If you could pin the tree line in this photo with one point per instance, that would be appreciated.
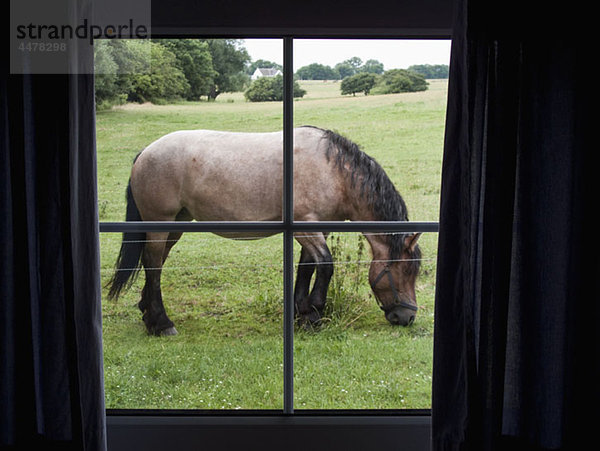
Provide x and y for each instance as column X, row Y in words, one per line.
column 166, row 70
column 355, row 66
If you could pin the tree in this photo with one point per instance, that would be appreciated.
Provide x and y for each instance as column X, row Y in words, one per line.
column 372, row 67
column 354, row 62
column 362, row 82
column 316, row 71
column 267, row 89
column 348, row 67
column 164, row 82
column 194, row 59
column 402, row 80
column 118, row 63
column 431, row 71
column 229, row 60
column 105, row 70
column 345, row 70
column 133, row 57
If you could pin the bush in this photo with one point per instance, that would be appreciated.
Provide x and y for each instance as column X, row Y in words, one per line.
column 362, row 82
column 402, row 80
column 268, row 89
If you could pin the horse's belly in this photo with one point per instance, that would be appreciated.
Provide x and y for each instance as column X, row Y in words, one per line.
column 234, row 196
column 233, row 211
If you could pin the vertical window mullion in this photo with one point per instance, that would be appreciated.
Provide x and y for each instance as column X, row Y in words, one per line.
column 288, row 219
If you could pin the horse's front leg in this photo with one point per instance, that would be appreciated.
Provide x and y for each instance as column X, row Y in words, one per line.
column 311, row 309
column 318, row 295
column 306, row 268
column 154, row 315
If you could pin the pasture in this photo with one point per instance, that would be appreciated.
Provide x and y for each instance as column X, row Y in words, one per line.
column 225, row 296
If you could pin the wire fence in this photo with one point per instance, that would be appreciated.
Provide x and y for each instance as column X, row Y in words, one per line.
column 269, row 265
column 278, row 264
column 257, row 237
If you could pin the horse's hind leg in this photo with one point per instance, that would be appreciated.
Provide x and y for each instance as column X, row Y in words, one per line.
column 155, row 318
column 171, row 241
column 173, row 237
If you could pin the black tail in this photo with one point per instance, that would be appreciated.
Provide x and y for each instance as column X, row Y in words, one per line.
column 128, row 262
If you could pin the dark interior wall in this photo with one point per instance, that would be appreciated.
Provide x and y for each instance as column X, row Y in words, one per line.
column 308, row 18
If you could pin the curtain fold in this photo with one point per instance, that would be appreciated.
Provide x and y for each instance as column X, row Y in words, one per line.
column 51, row 382
column 516, row 345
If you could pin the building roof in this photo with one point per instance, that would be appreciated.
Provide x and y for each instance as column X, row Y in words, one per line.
column 268, row 72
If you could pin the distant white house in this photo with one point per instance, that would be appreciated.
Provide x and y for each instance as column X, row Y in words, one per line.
column 265, row 72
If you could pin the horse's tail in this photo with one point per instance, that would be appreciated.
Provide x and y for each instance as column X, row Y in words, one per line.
column 127, row 266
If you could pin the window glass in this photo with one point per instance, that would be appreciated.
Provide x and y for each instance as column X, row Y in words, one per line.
column 190, row 115
column 379, row 99
column 219, row 342
column 224, row 297
column 351, row 356
column 373, row 152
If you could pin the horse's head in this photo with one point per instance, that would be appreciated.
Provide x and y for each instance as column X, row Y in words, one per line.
column 393, row 283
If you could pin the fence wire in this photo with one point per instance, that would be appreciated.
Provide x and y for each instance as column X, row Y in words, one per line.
column 278, row 265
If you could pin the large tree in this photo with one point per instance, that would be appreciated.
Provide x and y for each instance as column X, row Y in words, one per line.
column 229, row 59
column 164, row 82
column 138, row 71
column 372, row 67
column 195, row 60
column 105, row 70
column 348, row 67
column 362, row 82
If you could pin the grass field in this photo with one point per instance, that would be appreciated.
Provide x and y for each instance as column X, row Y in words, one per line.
column 225, row 296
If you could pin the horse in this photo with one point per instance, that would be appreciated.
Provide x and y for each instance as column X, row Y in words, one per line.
column 208, row 175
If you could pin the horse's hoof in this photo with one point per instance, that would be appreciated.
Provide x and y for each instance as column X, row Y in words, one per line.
column 308, row 326
column 168, row 331
column 310, row 322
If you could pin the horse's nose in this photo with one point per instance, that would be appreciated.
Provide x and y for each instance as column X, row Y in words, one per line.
column 401, row 317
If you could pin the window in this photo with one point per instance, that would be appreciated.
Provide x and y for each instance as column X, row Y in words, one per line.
column 287, row 353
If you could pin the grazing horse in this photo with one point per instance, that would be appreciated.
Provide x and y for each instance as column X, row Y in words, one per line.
column 223, row 176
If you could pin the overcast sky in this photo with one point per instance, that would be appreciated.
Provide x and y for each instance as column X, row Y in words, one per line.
column 394, row 54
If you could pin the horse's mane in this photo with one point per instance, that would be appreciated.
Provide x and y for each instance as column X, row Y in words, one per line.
column 366, row 175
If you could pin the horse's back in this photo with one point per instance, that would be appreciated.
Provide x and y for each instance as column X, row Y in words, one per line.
column 227, row 175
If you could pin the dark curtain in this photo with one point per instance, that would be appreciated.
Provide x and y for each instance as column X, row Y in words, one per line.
column 516, row 323
column 51, row 384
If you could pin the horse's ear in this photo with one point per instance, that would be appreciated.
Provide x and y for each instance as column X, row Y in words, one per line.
column 410, row 241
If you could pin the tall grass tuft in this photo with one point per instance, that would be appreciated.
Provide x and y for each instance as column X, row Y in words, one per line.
column 347, row 300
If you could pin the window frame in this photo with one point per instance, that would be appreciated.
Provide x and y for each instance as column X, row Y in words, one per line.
column 408, row 426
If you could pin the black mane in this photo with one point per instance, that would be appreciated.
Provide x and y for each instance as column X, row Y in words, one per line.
column 374, row 185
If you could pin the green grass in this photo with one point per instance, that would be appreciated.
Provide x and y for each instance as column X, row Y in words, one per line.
column 226, row 296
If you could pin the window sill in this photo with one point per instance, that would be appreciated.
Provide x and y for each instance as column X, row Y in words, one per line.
column 268, row 430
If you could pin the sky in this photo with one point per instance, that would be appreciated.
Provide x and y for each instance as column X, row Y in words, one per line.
column 394, row 54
